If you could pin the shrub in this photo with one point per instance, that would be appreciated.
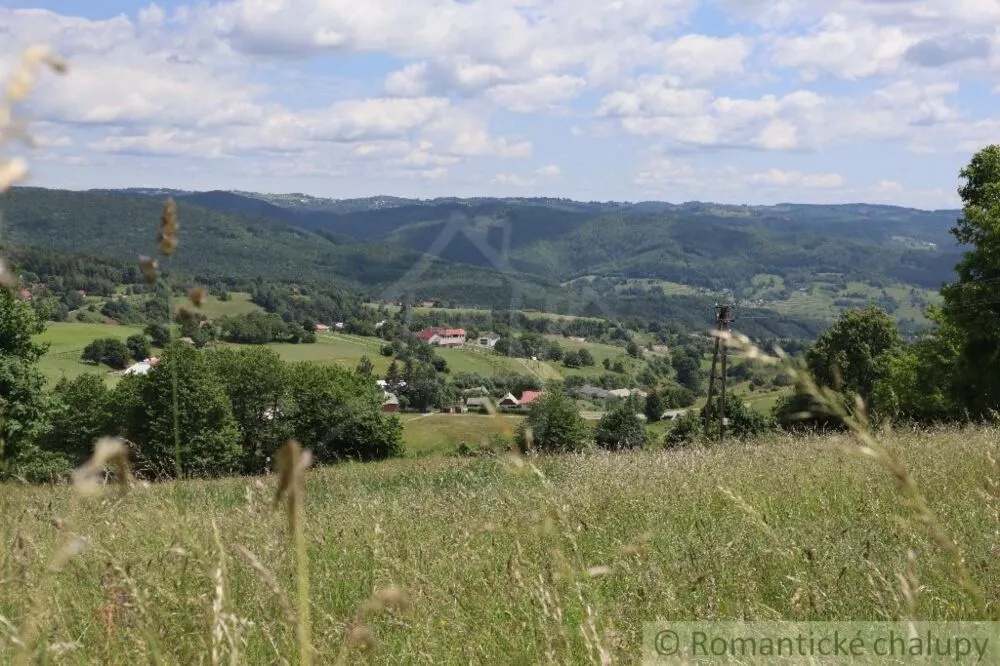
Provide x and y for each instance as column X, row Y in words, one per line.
column 621, row 429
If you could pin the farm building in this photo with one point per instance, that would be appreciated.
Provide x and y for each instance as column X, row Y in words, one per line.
column 509, row 401
column 391, row 403
column 477, row 404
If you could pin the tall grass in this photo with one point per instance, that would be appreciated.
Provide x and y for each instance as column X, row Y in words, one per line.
column 499, row 563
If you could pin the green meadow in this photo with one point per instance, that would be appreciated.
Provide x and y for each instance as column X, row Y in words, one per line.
column 450, row 560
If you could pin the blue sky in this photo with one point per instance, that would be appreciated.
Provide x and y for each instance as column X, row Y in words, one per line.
column 738, row 101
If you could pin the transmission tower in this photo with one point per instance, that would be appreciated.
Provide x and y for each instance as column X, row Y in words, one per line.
column 711, row 411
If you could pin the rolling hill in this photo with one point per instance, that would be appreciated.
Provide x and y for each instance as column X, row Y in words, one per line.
column 796, row 265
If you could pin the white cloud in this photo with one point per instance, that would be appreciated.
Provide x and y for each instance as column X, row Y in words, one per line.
column 701, row 59
column 797, row 178
column 542, row 93
column 550, row 171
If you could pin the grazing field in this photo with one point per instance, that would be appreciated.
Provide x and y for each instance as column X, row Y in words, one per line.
column 427, row 434
column 498, row 561
column 66, row 341
column 238, row 303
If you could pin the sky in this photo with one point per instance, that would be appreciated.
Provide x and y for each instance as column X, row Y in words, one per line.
column 733, row 101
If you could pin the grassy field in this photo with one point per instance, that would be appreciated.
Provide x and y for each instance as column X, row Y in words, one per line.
column 238, row 304
column 549, row 560
column 66, row 341
column 427, row 434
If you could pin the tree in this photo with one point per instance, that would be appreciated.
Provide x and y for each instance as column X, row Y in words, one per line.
column 159, row 334
column 554, row 425
column 82, row 412
column 255, row 380
column 854, row 354
column 654, row 406
column 365, row 367
column 586, row 358
column 620, row 429
column 392, row 376
column 633, row 350
column 971, row 304
column 209, row 437
column 109, row 351
column 920, row 383
column 24, row 404
column 138, row 347
column 338, row 413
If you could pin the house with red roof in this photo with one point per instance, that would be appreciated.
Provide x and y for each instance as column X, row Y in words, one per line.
column 528, row 397
column 443, row 337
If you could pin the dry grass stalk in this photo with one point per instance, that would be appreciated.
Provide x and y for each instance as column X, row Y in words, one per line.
column 271, row 581
column 291, row 465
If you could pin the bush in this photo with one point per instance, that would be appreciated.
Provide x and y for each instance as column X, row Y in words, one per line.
column 555, row 425
column 621, row 429
column 138, row 347
column 687, row 429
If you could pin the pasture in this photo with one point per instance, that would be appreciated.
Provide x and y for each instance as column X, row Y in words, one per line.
column 66, row 341
column 491, row 560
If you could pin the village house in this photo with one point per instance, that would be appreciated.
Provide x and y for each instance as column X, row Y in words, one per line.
column 322, row 328
column 528, row 397
column 588, row 392
column 477, row 404
column 390, row 404
column 508, row 401
column 142, row 367
column 443, row 337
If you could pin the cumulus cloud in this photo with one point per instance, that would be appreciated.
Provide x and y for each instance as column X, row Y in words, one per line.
column 480, row 87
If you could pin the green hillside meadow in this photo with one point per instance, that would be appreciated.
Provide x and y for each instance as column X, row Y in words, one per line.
column 497, row 560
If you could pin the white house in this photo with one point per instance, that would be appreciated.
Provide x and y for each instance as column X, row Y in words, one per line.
column 140, row 368
column 443, row 337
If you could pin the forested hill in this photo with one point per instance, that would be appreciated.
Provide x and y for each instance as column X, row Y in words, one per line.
column 699, row 244
column 649, row 259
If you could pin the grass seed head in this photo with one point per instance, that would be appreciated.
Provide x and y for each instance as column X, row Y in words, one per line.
column 389, row 598
column 150, row 269
column 7, row 278
column 291, row 464
column 167, row 237
column 108, row 451
column 197, row 296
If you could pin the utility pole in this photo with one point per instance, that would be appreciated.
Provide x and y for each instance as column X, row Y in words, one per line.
column 723, row 318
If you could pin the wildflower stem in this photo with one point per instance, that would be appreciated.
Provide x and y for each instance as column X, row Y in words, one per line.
column 302, row 574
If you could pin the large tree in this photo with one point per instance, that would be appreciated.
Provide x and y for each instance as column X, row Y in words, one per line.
column 255, row 380
column 854, row 353
column 972, row 303
column 23, row 401
column 554, row 425
column 208, row 435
